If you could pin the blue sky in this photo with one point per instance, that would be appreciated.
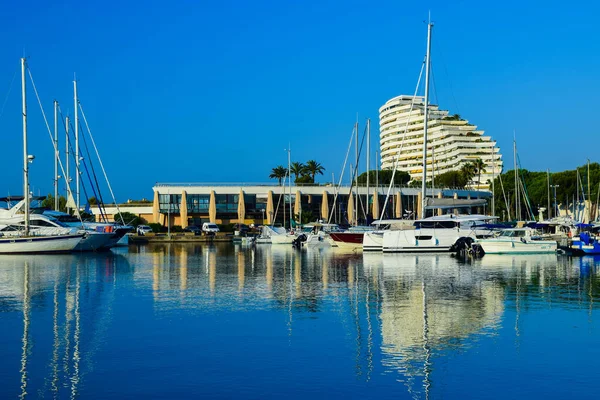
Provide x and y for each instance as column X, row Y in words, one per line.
column 187, row 91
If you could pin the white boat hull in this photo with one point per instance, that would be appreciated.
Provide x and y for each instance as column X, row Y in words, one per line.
column 422, row 240
column 515, row 245
column 282, row 239
column 373, row 241
column 39, row 244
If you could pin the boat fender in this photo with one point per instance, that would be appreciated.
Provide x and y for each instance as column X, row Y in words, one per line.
column 435, row 241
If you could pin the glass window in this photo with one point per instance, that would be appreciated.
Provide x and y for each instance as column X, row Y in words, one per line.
column 169, row 203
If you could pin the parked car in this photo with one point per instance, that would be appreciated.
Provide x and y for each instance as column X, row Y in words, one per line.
column 209, row 228
column 193, row 229
column 243, row 228
column 143, row 229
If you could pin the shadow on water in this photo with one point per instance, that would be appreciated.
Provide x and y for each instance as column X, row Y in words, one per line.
column 401, row 315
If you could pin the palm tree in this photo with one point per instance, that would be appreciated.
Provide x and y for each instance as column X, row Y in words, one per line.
column 468, row 171
column 313, row 168
column 279, row 172
column 479, row 167
column 297, row 168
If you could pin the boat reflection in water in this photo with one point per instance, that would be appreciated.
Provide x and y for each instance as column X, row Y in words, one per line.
column 366, row 324
column 59, row 348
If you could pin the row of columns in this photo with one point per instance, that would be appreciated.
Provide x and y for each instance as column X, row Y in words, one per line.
column 212, row 208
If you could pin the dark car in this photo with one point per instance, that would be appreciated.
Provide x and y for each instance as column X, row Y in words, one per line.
column 243, row 228
column 194, row 229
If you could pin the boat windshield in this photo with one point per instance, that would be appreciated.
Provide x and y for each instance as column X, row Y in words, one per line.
column 511, row 233
column 432, row 224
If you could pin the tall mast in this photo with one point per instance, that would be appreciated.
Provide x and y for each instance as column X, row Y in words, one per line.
column 577, row 191
column 368, row 161
column 76, row 104
column 548, row 175
column 67, row 176
column 290, row 183
column 493, row 183
column 25, row 160
column 356, row 172
column 589, row 209
column 517, row 205
column 426, row 118
column 56, row 155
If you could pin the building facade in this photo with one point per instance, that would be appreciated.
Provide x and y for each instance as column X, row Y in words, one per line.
column 452, row 142
column 194, row 204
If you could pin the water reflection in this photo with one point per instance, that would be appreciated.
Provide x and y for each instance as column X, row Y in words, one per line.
column 396, row 317
column 66, row 287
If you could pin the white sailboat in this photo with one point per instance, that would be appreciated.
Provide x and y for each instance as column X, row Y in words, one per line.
column 25, row 240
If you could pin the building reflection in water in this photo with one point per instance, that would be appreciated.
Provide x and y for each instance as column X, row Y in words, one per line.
column 400, row 313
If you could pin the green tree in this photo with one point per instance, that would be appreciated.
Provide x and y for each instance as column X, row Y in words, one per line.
column 455, row 117
column 479, row 167
column 298, row 169
column 130, row 219
column 384, row 176
column 92, row 201
column 279, row 173
column 304, row 179
column 469, row 171
column 451, row 179
column 48, row 202
column 313, row 168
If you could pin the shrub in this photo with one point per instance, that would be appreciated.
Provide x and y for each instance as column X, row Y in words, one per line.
column 156, row 228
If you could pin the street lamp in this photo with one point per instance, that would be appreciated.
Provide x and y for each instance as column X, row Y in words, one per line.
column 263, row 216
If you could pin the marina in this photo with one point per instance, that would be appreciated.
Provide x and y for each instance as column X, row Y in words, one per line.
column 285, row 216
column 270, row 321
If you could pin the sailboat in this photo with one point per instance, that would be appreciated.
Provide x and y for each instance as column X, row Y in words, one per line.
column 17, row 240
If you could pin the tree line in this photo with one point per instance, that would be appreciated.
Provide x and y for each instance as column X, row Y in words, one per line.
column 536, row 187
column 303, row 173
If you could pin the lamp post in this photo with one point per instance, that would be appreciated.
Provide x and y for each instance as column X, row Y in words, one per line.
column 263, row 216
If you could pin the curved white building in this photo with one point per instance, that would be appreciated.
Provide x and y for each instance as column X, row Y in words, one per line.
column 451, row 142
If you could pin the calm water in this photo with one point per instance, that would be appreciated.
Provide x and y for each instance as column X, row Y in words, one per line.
column 190, row 321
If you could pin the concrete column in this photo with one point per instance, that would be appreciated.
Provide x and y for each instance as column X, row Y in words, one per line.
column 325, row 207
column 156, row 209
column 183, row 209
column 269, row 209
column 420, row 210
column 212, row 208
column 398, row 205
column 439, row 211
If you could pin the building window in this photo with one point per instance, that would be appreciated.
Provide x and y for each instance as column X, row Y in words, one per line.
column 169, row 203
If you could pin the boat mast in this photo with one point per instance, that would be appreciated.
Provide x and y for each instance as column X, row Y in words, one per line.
column 426, row 118
column 548, row 175
column 56, row 155
column 356, row 172
column 517, row 205
column 290, row 183
column 76, row 102
column 577, row 191
column 493, row 183
column 67, row 176
column 25, row 158
column 589, row 210
column 368, row 165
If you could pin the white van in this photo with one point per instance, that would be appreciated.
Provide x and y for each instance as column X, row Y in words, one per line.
column 210, row 228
